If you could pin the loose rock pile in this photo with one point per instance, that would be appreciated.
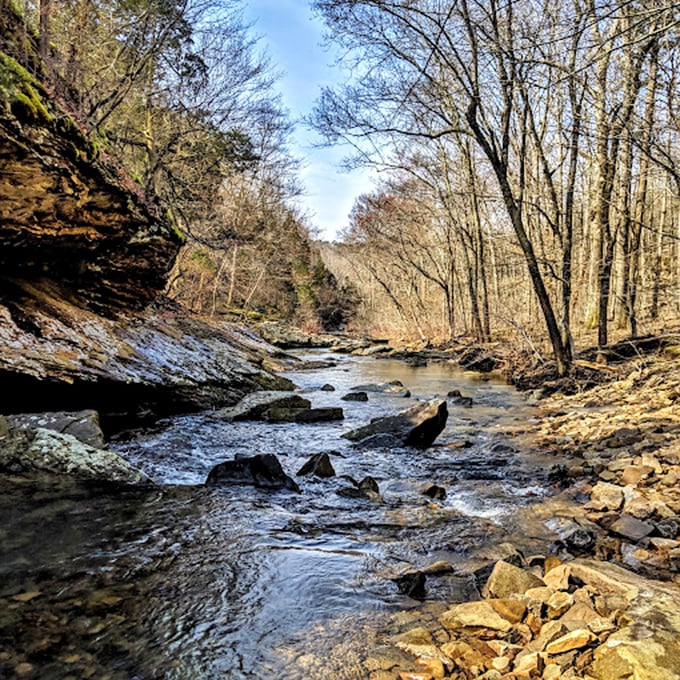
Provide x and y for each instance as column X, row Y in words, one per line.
column 620, row 447
column 544, row 619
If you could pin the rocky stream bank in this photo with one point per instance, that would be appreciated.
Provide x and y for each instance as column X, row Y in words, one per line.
column 603, row 600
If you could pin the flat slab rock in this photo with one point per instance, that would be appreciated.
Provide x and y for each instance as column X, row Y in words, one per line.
column 417, row 426
column 255, row 406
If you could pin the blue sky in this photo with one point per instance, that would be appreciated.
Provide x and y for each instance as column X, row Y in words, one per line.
column 292, row 37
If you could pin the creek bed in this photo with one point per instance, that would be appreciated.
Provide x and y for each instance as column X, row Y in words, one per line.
column 187, row 581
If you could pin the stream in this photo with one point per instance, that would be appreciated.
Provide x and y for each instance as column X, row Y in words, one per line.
column 190, row 582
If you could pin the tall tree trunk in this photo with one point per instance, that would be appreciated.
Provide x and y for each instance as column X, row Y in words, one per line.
column 657, row 269
column 640, row 215
column 45, row 10
column 611, row 122
column 627, row 230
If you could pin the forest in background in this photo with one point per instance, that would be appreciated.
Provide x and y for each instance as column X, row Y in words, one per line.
column 529, row 155
column 530, row 152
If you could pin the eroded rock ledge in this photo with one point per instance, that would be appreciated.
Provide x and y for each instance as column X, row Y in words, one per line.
column 56, row 355
column 68, row 212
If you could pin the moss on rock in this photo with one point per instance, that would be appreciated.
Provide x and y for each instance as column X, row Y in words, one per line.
column 21, row 91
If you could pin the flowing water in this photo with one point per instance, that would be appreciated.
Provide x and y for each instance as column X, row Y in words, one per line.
column 189, row 582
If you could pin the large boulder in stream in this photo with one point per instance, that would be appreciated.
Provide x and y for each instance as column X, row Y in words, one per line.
column 262, row 470
column 417, row 426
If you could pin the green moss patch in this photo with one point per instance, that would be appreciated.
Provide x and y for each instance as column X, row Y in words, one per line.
column 19, row 89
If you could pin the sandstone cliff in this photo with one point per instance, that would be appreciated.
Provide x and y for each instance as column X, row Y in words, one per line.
column 84, row 257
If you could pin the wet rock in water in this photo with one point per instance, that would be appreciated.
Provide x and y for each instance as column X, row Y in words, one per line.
column 369, row 484
column 262, row 470
column 367, row 488
column 457, row 398
column 327, row 388
column 412, row 584
column 438, row 568
column 380, row 441
column 458, row 444
column 434, row 491
column 500, row 447
column 302, row 415
column 395, row 388
column 417, row 426
column 355, row 396
column 253, row 406
column 42, row 450
column 319, row 464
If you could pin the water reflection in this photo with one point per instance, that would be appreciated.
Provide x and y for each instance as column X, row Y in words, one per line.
column 234, row 582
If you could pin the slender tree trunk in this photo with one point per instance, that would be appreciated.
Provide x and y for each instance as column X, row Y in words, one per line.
column 216, row 284
column 44, row 40
column 232, row 276
column 560, row 352
column 640, row 217
column 656, row 285
column 626, row 229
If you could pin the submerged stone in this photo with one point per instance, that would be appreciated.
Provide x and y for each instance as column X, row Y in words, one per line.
column 355, row 396
column 262, row 470
column 412, row 584
column 367, row 488
column 417, row 426
column 394, row 388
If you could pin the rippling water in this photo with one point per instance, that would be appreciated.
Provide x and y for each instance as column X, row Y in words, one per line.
column 192, row 582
